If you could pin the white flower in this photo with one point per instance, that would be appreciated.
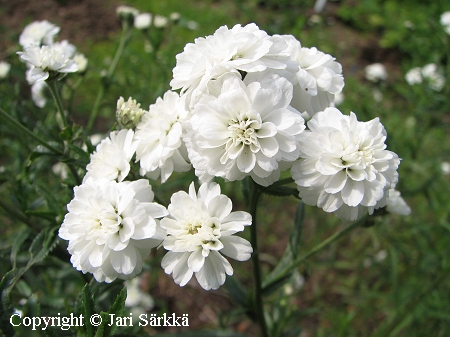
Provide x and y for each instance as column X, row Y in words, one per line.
column 344, row 166
column 199, row 228
column 111, row 227
column 65, row 48
column 161, row 150
column 436, row 80
column 38, row 93
column 38, row 32
column 317, row 81
column 445, row 167
column 111, row 159
column 248, row 130
column 82, row 62
column 246, row 49
column 160, row 21
column 175, row 16
column 192, row 25
column 143, row 21
column 136, row 297
column 44, row 60
column 4, row 69
column 445, row 21
column 414, row 76
column 396, row 204
column 376, row 72
column 124, row 11
column 128, row 113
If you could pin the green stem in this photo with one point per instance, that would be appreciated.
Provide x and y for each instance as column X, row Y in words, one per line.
column 255, row 193
column 106, row 80
column 57, row 98
column 282, row 182
column 28, row 132
column 288, row 269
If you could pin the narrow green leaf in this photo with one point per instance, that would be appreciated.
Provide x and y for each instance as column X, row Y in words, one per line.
column 6, row 309
column 107, row 329
column 42, row 245
column 20, row 238
column 289, row 255
column 66, row 133
column 89, row 309
column 238, row 293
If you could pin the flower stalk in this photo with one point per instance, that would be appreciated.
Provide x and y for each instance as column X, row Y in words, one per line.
column 57, row 98
column 258, row 304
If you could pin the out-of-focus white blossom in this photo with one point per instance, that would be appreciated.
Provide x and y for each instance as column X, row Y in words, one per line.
column 433, row 75
column 192, row 25
column 38, row 32
column 124, row 11
column 396, row 204
column 143, row 21
column 200, row 227
column 160, row 21
column 64, row 47
column 376, row 72
column 344, row 166
column 175, row 16
column 445, row 167
column 82, row 62
column 4, row 69
column 445, row 21
column 414, row 76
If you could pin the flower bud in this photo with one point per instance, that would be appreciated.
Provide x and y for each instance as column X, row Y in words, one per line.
column 129, row 113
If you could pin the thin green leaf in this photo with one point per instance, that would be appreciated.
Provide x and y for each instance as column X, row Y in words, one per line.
column 238, row 293
column 108, row 328
column 42, row 245
column 6, row 309
column 89, row 309
column 20, row 238
column 294, row 239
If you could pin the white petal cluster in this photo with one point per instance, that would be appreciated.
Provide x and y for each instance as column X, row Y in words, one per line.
column 396, row 204
column 428, row 73
column 318, row 79
column 143, row 21
column 4, row 69
column 376, row 72
column 161, row 150
column 111, row 227
column 199, row 228
column 38, row 32
column 445, row 21
column 111, row 159
column 45, row 59
column 249, row 129
column 246, row 49
column 344, row 166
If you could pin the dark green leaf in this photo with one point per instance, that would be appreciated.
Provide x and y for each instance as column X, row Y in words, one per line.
column 66, row 133
column 89, row 309
column 294, row 239
column 107, row 328
column 20, row 238
column 42, row 245
column 237, row 292
column 280, row 191
column 6, row 309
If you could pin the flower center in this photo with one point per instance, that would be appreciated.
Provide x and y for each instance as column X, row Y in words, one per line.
column 243, row 130
column 359, row 159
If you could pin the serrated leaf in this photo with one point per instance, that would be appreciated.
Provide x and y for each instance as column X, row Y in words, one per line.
column 89, row 309
column 108, row 328
column 42, row 245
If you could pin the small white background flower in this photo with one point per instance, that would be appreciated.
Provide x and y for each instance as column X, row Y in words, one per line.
column 200, row 227
column 111, row 227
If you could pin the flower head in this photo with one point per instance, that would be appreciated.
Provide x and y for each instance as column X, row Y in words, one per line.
column 249, row 129
column 200, row 227
column 161, row 150
column 38, row 32
column 445, row 21
column 128, row 113
column 143, row 21
column 4, row 69
column 344, row 166
column 414, row 76
column 318, row 79
column 246, row 49
column 396, row 204
column 111, row 227
column 46, row 60
column 376, row 72
column 111, row 159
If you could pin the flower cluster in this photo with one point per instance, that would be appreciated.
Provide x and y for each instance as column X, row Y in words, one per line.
column 429, row 74
column 240, row 112
column 47, row 59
